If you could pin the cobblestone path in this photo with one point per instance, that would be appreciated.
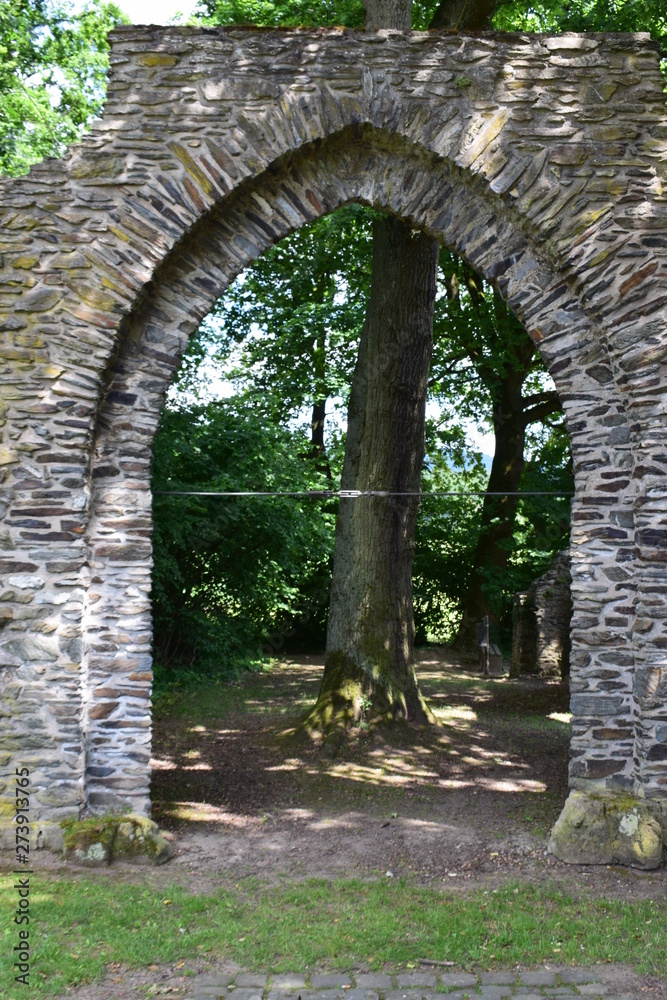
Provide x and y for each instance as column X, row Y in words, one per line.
column 536, row 985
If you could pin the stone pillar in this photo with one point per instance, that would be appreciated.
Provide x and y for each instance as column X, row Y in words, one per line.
column 118, row 666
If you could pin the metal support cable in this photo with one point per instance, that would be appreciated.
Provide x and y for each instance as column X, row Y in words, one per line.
column 355, row 494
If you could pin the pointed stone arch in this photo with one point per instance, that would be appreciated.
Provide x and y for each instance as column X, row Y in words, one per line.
column 214, row 145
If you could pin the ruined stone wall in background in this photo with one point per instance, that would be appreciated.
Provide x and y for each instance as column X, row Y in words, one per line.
column 540, row 159
column 542, row 617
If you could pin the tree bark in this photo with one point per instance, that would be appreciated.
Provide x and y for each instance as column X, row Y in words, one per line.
column 369, row 661
column 497, row 523
column 369, row 654
column 395, row 14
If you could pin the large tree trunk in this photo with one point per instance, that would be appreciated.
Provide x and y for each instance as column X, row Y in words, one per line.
column 498, row 513
column 369, row 662
column 369, row 665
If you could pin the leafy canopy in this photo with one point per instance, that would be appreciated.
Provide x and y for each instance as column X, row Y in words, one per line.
column 53, row 65
column 286, row 332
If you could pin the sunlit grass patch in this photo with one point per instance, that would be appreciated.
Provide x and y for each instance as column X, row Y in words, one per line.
column 565, row 718
column 264, row 691
column 457, row 715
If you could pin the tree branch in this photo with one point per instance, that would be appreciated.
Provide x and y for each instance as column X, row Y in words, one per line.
column 541, row 397
column 541, row 411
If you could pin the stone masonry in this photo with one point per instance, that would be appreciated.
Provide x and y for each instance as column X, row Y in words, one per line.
column 429, row 983
column 541, row 627
column 542, row 160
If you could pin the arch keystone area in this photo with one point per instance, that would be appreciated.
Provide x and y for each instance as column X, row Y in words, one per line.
column 542, row 160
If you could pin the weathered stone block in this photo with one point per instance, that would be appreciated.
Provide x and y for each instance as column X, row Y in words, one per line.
column 89, row 841
column 608, row 829
column 139, row 840
column 101, row 839
column 599, row 706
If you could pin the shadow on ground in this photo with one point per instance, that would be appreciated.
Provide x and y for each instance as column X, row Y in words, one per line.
column 474, row 795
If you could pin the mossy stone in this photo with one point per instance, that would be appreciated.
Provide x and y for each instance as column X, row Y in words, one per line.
column 139, row 840
column 608, row 829
column 100, row 840
column 89, row 841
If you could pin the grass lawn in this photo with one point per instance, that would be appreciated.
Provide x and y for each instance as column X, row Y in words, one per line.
column 79, row 925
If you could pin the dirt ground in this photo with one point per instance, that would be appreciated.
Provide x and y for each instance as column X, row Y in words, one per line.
column 466, row 804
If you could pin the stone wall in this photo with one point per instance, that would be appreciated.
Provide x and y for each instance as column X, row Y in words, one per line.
column 541, row 627
column 540, row 159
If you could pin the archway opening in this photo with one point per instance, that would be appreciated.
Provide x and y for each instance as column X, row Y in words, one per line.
column 259, row 404
column 362, row 165
column 222, row 763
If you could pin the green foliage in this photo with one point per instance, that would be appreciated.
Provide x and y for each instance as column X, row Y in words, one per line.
column 285, row 13
column 232, row 574
column 286, row 332
column 478, row 342
column 299, row 13
column 582, row 15
column 53, row 65
column 542, row 523
column 447, row 529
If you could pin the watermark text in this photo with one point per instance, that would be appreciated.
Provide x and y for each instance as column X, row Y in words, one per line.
column 21, row 945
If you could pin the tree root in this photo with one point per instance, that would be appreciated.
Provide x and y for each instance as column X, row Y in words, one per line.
column 352, row 698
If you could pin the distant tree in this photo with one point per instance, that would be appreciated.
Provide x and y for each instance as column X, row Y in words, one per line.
column 286, row 334
column 488, row 363
column 53, row 65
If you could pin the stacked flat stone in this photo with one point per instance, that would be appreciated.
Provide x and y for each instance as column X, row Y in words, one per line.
column 563, row 983
column 542, row 160
column 542, row 617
